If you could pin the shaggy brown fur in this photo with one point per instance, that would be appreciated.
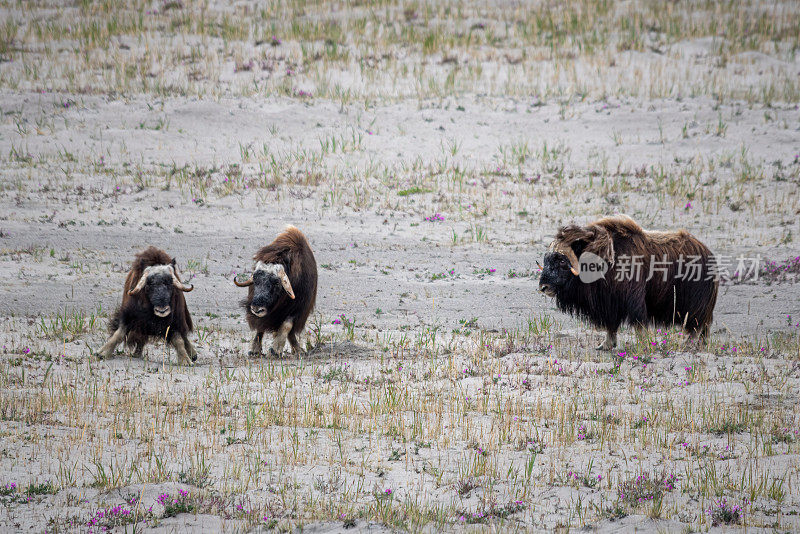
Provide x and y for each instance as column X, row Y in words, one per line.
column 134, row 321
column 290, row 249
column 609, row 302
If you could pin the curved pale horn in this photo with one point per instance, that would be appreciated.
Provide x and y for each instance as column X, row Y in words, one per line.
column 176, row 281
column 287, row 285
column 566, row 250
column 575, row 266
column 140, row 284
column 243, row 284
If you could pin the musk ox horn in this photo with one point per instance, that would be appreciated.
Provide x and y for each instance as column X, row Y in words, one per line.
column 177, row 282
column 287, row 285
column 567, row 251
column 162, row 268
column 140, row 284
column 243, row 284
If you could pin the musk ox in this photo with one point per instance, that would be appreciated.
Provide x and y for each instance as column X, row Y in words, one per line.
column 281, row 292
column 612, row 272
column 152, row 307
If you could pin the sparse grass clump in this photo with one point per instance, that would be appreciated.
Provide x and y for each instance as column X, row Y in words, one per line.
column 783, row 271
column 784, row 435
column 492, row 512
column 67, row 325
column 10, row 493
column 728, row 426
column 724, row 513
column 414, row 190
column 8, row 489
column 113, row 516
column 173, row 505
column 41, row 488
column 645, row 488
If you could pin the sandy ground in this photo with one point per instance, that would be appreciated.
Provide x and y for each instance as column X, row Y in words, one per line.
column 70, row 226
column 375, row 254
column 442, row 391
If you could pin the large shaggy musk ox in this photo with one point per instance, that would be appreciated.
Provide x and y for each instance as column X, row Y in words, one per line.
column 152, row 307
column 662, row 278
column 282, row 291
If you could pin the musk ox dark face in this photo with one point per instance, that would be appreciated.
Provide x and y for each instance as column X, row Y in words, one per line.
column 267, row 291
column 270, row 283
column 557, row 274
column 158, row 283
column 159, row 292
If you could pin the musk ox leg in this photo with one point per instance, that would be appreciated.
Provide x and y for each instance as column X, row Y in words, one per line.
column 610, row 341
column 137, row 350
column 279, row 339
column 293, row 342
column 116, row 338
column 255, row 348
column 698, row 335
column 180, row 348
column 190, row 350
column 704, row 334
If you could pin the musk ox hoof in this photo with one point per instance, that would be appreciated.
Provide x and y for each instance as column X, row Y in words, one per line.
column 184, row 359
column 694, row 344
column 103, row 354
column 273, row 353
column 254, row 354
column 609, row 343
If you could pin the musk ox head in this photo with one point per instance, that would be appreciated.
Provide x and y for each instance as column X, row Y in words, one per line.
column 577, row 255
column 270, row 282
column 158, row 283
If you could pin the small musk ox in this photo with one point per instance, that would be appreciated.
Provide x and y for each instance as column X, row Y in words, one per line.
column 282, row 291
column 152, row 307
column 675, row 283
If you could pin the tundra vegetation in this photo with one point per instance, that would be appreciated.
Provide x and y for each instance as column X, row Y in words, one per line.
column 429, row 151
